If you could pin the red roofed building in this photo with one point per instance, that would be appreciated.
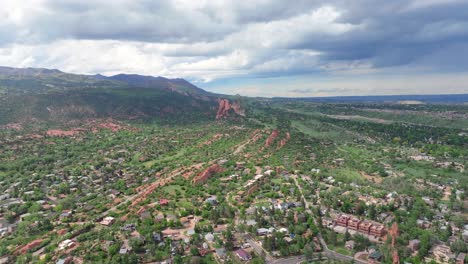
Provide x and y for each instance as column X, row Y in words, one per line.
column 365, row 226
column 243, row 255
column 354, row 223
column 343, row 220
column 163, row 202
column 377, row 230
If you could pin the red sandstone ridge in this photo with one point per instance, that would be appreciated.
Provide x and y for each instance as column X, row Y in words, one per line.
column 225, row 106
column 271, row 138
column 284, row 140
column 23, row 249
column 206, row 174
column 63, row 133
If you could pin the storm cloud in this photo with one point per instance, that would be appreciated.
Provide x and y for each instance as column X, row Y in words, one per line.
column 215, row 42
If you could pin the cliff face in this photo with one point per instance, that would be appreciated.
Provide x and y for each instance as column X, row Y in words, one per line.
column 224, row 106
column 238, row 108
column 207, row 173
column 273, row 136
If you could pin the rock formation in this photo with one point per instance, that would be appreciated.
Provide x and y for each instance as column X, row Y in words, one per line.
column 225, row 106
column 271, row 138
column 284, row 140
column 207, row 173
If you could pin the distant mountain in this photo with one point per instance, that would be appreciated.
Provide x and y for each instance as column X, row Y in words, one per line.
column 38, row 80
column 9, row 71
column 45, row 95
column 176, row 85
column 394, row 99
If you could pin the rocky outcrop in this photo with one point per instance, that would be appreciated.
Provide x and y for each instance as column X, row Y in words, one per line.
column 62, row 133
column 224, row 106
column 207, row 173
column 284, row 140
column 236, row 106
column 23, row 249
column 271, row 138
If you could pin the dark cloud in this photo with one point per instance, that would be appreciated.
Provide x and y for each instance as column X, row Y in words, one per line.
column 206, row 40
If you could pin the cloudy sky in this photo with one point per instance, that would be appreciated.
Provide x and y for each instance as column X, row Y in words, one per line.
column 255, row 47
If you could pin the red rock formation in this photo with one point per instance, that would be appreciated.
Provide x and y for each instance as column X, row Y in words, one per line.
column 395, row 257
column 14, row 126
column 207, row 173
column 215, row 138
column 61, row 133
column 238, row 108
column 284, row 140
column 29, row 246
column 225, row 106
column 394, row 232
column 271, row 138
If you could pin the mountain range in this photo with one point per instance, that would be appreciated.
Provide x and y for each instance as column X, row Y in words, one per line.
column 31, row 95
column 34, row 94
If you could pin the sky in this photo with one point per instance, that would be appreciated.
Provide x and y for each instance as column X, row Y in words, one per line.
column 300, row 48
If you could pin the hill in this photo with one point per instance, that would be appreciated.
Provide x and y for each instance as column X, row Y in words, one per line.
column 45, row 95
column 177, row 85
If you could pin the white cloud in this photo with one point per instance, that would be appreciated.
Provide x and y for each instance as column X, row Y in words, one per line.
column 206, row 40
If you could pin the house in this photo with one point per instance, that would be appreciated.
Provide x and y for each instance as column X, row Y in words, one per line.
column 377, row 230
column 67, row 243
column 221, row 252
column 414, row 245
column 364, row 227
column 125, row 248
column 350, row 244
column 353, row 223
column 240, row 165
column 243, row 255
column 65, row 215
column 128, row 227
column 262, row 231
column 145, row 215
column 191, row 232
column 212, row 200
column 24, row 216
column 375, row 257
column 163, row 202
column 107, row 221
column 184, row 220
column 460, row 258
column 339, row 162
column 442, row 253
column 159, row 217
column 317, row 244
column 343, row 220
column 209, row 237
column 65, row 260
column 105, row 246
column 114, row 193
column 424, row 224
column 171, row 217
column 250, row 222
column 465, row 235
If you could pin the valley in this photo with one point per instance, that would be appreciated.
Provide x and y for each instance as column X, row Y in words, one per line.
column 130, row 173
